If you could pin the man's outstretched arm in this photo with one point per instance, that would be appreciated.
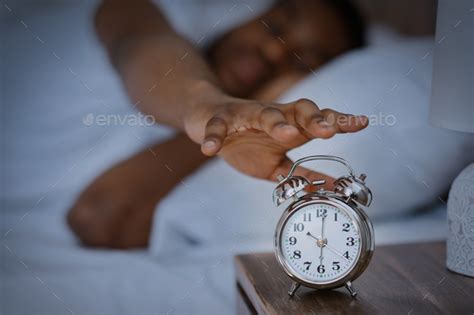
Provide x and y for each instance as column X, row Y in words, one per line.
column 163, row 73
column 168, row 78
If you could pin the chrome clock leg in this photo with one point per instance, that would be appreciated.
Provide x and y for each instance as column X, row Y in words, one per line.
column 351, row 290
column 294, row 286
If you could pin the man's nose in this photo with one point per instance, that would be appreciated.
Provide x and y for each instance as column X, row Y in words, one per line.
column 275, row 50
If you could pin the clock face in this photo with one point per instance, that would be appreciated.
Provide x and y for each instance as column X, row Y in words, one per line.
column 320, row 243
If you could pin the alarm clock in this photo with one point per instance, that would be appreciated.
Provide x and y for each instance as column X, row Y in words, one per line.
column 324, row 239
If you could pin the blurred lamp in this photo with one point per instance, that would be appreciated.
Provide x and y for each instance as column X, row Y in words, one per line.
column 452, row 107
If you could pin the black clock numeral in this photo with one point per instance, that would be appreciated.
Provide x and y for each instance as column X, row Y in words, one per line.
column 292, row 240
column 307, row 264
column 346, row 254
column 298, row 227
column 350, row 241
column 321, row 212
column 307, row 217
column 321, row 269
column 297, row 254
column 335, row 216
column 345, row 227
column 335, row 265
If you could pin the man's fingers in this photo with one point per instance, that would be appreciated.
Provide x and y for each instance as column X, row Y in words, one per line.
column 214, row 135
column 344, row 122
column 327, row 122
column 274, row 123
column 311, row 119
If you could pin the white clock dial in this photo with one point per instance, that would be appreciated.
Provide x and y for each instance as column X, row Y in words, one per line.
column 320, row 243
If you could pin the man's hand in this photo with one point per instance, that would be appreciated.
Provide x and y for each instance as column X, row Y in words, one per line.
column 254, row 137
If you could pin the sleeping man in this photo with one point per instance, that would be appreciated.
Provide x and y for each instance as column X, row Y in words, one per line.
column 220, row 99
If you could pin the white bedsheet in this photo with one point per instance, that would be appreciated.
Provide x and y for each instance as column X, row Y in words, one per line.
column 49, row 157
column 44, row 271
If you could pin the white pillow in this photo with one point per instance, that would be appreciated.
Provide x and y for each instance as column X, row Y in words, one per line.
column 408, row 164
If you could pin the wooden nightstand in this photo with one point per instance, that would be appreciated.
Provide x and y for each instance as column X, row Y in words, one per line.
column 401, row 279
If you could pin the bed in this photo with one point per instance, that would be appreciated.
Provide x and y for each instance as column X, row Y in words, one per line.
column 52, row 83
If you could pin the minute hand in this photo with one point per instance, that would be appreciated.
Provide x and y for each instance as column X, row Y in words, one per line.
column 323, row 219
column 336, row 252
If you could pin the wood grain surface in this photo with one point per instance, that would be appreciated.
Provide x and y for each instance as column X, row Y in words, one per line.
column 401, row 279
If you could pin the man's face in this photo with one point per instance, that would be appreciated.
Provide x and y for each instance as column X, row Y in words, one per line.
column 297, row 35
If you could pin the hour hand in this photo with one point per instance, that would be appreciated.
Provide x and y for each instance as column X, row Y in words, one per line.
column 311, row 235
